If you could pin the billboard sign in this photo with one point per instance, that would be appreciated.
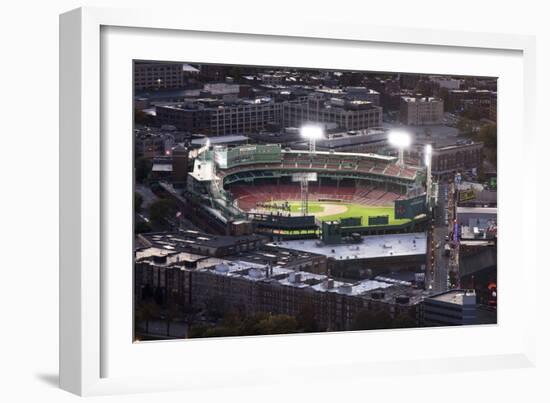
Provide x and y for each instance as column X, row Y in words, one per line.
column 465, row 195
column 351, row 221
column 379, row 220
column 307, row 176
column 410, row 208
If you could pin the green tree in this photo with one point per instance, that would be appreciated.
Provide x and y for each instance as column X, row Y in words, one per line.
column 143, row 118
column 368, row 320
column 138, row 202
column 141, row 227
column 443, row 93
column 403, row 320
column 220, row 331
column 143, row 167
column 488, row 135
column 216, row 306
column 249, row 325
column 147, row 312
column 472, row 113
column 161, row 209
column 481, row 173
column 172, row 312
column 278, row 324
column 232, row 319
column 306, row 319
column 197, row 331
column 465, row 127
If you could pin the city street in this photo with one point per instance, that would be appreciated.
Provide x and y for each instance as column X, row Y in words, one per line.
column 438, row 278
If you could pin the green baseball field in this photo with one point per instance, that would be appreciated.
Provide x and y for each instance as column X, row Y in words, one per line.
column 329, row 211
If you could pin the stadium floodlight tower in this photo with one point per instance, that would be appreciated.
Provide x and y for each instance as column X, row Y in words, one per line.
column 428, row 163
column 304, row 178
column 312, row 133
column 400, row 139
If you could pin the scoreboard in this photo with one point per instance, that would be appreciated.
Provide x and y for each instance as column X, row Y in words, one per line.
column 410, row 208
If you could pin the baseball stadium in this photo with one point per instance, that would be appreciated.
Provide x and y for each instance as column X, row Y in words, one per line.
column 301, row 193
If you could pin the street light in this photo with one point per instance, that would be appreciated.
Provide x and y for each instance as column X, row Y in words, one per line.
column 428, row 155
column 312, row 133
column 400, row 140
column 428, row 163
column 204, row 149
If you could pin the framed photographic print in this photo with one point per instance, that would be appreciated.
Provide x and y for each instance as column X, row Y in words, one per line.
column 252, row 190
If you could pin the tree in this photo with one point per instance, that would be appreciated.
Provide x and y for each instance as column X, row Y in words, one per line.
column 472, row 113
column 161, row 209
column 143, row 118
column 488, row 135
column 171, row 313
column 249, row 325
column 219, row 331
column 306, row 319
column 141, row 227
column 403, row 320
column 216, row 306
column 444, row 95
column 143, row 167
column 368, row 320
column 278, row 324
column 232, row 319
column 138, row 202
column 197, row 331
column 147, row 312
column 465, row 127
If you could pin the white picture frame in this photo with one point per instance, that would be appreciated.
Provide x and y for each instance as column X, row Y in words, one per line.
column 88, row 311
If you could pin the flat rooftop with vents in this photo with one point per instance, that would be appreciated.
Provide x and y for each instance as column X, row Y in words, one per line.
column 371, row 247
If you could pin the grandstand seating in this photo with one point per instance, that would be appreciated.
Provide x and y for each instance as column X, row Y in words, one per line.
column 332, row 163
column 249, row 195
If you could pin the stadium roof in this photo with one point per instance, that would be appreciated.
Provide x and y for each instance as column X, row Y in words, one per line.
column 215, row 140
column 386, row 158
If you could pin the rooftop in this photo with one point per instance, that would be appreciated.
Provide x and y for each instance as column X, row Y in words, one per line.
column 458, row 297
column 421, row 99
column 276, row 256
column 175, row 258
column 304, row 279
column 185, row 238
column 254, row 272
column 491, row 211
column 371, row 247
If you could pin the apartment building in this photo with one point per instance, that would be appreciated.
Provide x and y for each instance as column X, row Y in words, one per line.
column 216, row 118
column 158, row 75
column 455, row 307
column 419, row 111
column 459, row 157
column 347, row 114
column 251, row 288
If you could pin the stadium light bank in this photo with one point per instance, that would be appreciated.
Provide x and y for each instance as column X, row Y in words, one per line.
column 400, row 140
column 312, row 133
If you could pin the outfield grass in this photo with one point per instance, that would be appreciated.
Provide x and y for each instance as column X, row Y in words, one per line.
column 296, row 207
column 353, row 210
